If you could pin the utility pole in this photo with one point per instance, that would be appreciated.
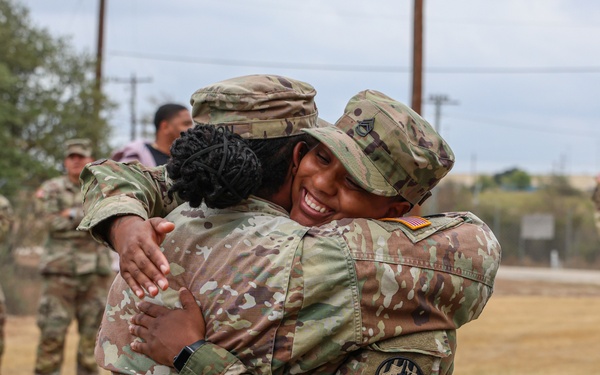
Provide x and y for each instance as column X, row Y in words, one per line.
column 99, row 57
column 438, row 100
column 417, row 68
column 133, row 82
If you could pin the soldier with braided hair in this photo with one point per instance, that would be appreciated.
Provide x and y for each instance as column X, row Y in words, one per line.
column 355, row 296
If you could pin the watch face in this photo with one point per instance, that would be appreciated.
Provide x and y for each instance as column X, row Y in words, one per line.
column 180, row 360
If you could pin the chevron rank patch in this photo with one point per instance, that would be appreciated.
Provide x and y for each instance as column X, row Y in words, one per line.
column 398, row 366
column 413, row 222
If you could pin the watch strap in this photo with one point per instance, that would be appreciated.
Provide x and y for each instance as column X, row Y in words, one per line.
column 181, row 359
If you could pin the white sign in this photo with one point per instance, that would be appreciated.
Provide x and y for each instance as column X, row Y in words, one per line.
column 537, row 227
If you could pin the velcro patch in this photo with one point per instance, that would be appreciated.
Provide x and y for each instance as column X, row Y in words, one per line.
column 398, row 366
column 413, row 222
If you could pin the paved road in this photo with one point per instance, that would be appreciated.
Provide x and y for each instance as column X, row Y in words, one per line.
column 548, row 274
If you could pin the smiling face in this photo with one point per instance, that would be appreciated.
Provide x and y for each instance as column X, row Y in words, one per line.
column 323, row 191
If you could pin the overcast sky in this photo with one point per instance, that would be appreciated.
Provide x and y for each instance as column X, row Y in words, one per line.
column 522, row 76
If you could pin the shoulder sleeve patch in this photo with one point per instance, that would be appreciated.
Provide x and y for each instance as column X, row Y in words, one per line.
column 398, row 366
column 412, row 222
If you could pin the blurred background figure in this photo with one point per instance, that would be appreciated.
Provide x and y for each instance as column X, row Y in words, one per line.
column 6, row 216
column 596, row 199
column 75, row 269
column 169, row 120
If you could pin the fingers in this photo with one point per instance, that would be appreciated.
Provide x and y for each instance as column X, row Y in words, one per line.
column 139, row 347
column 161, row 225
column 155, row 266
column 187, row 299
column 150, row 310
column 142, row 264
column 161, row 228
column 147, row 259
column 141, row 319
column 138, row 331
column 136, row 288
column 138, row 271
column 193, row 313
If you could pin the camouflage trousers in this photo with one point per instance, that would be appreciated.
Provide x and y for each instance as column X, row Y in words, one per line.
column 2, row 320
column 65, row 298
column 597, row 221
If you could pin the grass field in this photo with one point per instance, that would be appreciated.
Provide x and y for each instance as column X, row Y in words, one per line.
column 528, row 328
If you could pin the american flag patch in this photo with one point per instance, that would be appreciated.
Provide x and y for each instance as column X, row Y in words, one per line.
column 413, row 222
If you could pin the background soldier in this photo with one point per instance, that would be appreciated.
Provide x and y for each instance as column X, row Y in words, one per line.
column 6, row 215
column 75, row 270
column 596, row 199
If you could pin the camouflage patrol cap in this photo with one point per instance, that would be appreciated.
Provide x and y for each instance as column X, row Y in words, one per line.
column 81, row 146
column 257, row 106
column 404, row 155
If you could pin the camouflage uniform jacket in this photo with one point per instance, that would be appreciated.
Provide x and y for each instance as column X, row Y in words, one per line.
column 401, row 286
column 297, row 299
column 596, row 197
column 6, row 217
column 68, row 251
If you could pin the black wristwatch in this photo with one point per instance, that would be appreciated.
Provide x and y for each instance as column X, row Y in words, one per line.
column 185, row 353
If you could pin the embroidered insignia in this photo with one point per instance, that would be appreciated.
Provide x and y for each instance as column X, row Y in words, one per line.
column 364, row 127
column 413, row 222
column 398, row 366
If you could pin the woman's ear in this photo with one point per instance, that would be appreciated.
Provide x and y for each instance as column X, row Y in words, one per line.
column 300, row 150
column 397, row 209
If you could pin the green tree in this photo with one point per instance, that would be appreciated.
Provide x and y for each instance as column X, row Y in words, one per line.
column 47, row 95
column 485, row 182
column 513, row 179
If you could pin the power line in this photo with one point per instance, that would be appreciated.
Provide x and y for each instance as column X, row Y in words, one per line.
column 355, row 68
column 516, row 70
column 438, row 100
column 522, row 126
column 133, row 81
column 257, row 63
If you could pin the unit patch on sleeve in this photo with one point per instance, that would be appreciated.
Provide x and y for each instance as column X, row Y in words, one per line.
column 398, row 366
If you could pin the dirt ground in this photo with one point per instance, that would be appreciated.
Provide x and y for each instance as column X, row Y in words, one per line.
column 528, row 328
column 531, row 328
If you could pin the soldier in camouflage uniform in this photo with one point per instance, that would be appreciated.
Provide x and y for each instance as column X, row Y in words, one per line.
column 596, row 200
column 317, row 294
column 6, row 217
column 75, row 269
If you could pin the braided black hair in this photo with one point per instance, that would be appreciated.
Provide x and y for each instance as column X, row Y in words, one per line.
column 213, row 165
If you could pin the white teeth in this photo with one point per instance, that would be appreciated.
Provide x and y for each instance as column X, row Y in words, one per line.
column 313, row 205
